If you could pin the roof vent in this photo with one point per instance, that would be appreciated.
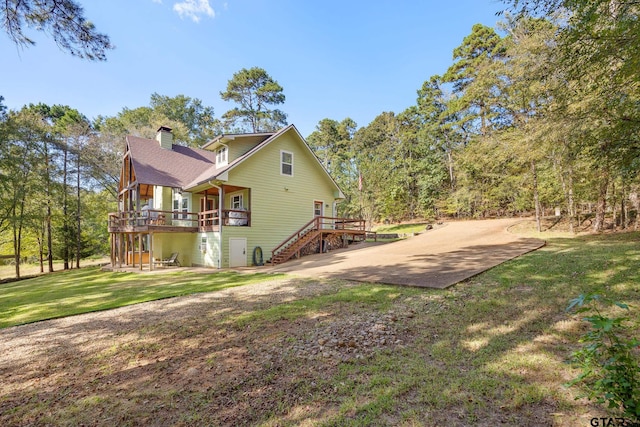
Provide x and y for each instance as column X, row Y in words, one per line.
column 165, row 137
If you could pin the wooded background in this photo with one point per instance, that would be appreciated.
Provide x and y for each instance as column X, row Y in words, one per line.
column 540, row 113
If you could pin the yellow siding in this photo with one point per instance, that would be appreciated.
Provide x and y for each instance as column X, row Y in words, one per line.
column 240, row 147
column 164, row 244
column 208, row 254
column 279, row 204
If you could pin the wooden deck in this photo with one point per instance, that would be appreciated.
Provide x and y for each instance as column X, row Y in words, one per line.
column 157, row 221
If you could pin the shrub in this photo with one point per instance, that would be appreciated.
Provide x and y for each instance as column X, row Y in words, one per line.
column 609, row 358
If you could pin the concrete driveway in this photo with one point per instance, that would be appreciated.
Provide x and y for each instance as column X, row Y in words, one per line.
column 437, row 258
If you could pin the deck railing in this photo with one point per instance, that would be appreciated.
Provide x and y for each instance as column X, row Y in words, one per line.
column 204, row 221
column 321, row 223
column 152, row 217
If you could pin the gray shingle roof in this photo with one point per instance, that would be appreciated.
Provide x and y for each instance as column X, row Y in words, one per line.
column 154, row 165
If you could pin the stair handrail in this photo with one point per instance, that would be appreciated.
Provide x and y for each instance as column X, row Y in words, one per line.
column 296, row 234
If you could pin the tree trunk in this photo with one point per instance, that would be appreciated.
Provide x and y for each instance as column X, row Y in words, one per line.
column 41, row 249
column 18, row 218
column 48, row 219
column 450, row 162
column 623, row 208
column 601, row 206
column 634, row 198
column 536, row 196
column 614, row 205
column 78, row 229
column 65, row 219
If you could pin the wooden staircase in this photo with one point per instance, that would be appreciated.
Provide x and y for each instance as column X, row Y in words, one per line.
column 313, row 232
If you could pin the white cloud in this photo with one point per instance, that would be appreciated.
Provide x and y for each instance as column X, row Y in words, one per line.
column 157, row 1
column 194, row 9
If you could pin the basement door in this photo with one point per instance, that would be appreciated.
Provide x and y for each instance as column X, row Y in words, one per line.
column 237, row 252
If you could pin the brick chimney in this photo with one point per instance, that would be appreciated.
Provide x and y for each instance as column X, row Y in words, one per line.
column 165, row 137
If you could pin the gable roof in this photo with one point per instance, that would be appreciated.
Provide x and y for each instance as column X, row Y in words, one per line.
column 155, row 165
column 226, row 138
column 213, row 174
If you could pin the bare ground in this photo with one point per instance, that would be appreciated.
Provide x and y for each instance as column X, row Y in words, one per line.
column 193, row 361
column 208, row 359
column 179, row 361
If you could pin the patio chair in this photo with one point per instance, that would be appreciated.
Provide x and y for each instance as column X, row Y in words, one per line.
column 171, row 261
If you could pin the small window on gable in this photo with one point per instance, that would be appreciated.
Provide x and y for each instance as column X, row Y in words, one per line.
column 221, row 156
column 286, row 163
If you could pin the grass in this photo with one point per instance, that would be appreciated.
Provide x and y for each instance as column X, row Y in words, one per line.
column 488, row 351
column 8, row 271
column 401, row 228
column 496, row 345
column 89, row 289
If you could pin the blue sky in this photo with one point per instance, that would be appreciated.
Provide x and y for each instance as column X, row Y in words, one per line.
column 334, row 59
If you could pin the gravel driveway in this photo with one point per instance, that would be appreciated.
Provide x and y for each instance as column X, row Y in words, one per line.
column 437, row 258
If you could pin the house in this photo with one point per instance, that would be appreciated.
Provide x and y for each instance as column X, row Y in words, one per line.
column 240, row 200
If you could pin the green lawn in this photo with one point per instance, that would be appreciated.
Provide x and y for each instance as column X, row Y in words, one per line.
column 492, row 350
column 401, row 228
column 89, row 289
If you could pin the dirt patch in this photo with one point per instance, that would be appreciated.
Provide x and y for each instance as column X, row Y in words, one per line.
column 185, row 361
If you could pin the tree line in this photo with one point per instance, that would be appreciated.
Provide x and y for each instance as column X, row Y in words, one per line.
column 541, row 112
column 59, row 171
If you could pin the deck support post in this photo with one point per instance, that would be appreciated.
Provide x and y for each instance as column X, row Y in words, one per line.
column 150, row 251
column 126, row 249
column 140, row 250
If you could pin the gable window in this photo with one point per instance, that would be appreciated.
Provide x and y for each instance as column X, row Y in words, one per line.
column 221, row 156
column 236, row 202
column 286, row 163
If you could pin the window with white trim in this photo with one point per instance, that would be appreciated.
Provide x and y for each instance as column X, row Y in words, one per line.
column 185, row 208
column 286, row 163
column 221, row 156
column 180, row 204
column 237, row 202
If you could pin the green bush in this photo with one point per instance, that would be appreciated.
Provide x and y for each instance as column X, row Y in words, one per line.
column 609, row 358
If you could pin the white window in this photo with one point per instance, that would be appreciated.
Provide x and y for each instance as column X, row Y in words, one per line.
column 221, row 156
column 180, row 204
column 317, row 208
column 203, row 244
column 286, row 163
column 176, row 207
column 185, row 208
column 236, row 202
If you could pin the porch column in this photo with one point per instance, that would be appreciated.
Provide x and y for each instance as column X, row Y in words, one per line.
column 119, row 249
column 126, row 249
column 112, row 250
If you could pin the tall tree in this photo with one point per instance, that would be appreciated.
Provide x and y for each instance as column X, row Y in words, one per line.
column 192, row 122
column 254, row 91
column 63, row 20
column 17, row 167
column 197, row 118
column 475, row 79
column 332, row 143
